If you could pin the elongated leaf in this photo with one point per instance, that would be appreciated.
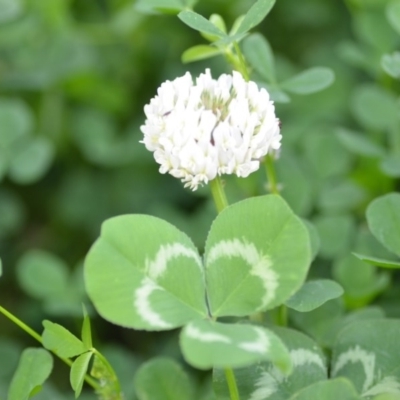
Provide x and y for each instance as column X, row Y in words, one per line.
column 165, row 6
column 144, row 273
column 199, row 23
column 313, row 294
column 367, row 353
column 264, row 381
column 33, row 369
column 78, row 372
column 163, row 379
column 257, row 255
column 199, row 52
column 310, row 81
column 374, row 107
column 207, row 344
column 58, row 339
column 86, row 330
column 259, row 54
column 333, row 389
column 255, row 15
column 390, row 165
column 383, row 216
column 379, row 262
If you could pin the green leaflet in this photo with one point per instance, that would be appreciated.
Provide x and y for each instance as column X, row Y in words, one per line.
column 257, row 255
column 264, row 381
column 146, row 274
column 207, row 344
column 367, row 353
column 383, row 216
column 163, row 379
column 33, row 369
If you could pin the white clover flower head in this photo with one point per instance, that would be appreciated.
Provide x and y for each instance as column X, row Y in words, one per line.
column 198, row 130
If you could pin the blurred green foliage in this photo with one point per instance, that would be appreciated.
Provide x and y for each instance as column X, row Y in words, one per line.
column 74, row 77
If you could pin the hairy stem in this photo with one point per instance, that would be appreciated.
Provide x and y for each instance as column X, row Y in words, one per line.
column 231, row 380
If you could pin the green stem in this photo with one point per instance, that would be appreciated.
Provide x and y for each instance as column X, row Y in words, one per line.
column 282, row 316
column 37, row 337
column 230, row 379
column 243, row 66
column 271, row 175
column 218, row 194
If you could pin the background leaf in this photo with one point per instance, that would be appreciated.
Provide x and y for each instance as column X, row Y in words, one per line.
column 162, row 379
column 383, row 216
column 313, row 294
column 309, row 81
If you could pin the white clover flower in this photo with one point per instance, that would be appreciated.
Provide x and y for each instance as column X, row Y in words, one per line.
column 211, row 127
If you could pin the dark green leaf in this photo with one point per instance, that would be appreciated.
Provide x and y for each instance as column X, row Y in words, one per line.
column 391, row 64
column 359, row 144
column 393, row 15
column 390, row 165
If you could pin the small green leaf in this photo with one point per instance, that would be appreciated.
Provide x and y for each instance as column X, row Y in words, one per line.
column 199, row 23
column 217, row 20
column 379, row 262
column 309, row 81
column 31, row 160
column 313, row 294
column 58, row 339
column 333, row 389
column 390, row 165
column 199, row 52
column 41, row 274
column 163, row 379
column 251, row 264
column 263, row 378
column 393, row 15
column 259, row 54
column 86, row 331
column 164, row 6
column 374, row 107
column 78, row 371
column 257, row 12
column 206, row 344
column 367, row 353
column 391, row 64
column 146, row 274
column 359, row 144
column 383, row 216
column 33, row 369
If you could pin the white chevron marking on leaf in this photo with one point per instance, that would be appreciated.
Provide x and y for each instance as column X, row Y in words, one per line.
column 354, row 355
column 389, row 384
column 268, row 382
column 260, row 345
column 260, row 264
column 143, row 306
column 197, row 334
column 157, row 266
